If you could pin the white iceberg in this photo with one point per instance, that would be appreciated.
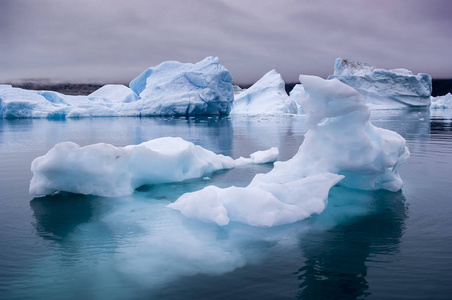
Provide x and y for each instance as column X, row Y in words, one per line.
column 385, row 89
column 106, row 170
column 340, row 146
column 174, row 88
column 115, row 93
column 266, row 96
column 298, row 94
column 19, row 103
column 442, row 102
column 171, row 88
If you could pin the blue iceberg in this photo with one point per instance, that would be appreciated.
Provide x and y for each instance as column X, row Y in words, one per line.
column 385, row 89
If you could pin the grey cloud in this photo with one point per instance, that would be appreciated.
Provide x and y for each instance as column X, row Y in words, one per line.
column 113, row 41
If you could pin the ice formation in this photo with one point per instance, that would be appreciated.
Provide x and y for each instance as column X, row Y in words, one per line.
column 174, row 88
column 266, row 96
column 442, row 102
column 106, row 170
column 171, row 88
column 340, row 146
column 385, row 89
column 115, row 93
column 298, row 94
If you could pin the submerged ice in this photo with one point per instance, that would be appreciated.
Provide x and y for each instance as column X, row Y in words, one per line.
column 341, row 146
column 106, row 170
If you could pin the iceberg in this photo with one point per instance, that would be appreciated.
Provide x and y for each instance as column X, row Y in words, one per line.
column 169, row 89
column 340, row 147
column 19, row 103
column 174, row 88
column 266, row 96
column 442, row 102
column 106, row 170
column 385, row 89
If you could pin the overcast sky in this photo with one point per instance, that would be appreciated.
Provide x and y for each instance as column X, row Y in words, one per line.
column 114, row 41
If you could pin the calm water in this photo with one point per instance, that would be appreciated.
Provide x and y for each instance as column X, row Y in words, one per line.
column 378, row 245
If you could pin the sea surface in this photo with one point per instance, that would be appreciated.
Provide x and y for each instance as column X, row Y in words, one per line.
column 376, row 245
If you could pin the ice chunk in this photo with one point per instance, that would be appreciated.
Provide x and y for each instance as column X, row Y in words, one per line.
column 298, row 94
column 341, row 139
column 105, row 170
column 442, row 102
column 341, row 146
column 262, row 157
column 237, row 89
column 115, row 93
column 174, row 88
column 265, row 205
column 266, row 96
column 385, row 89
column 19, row 103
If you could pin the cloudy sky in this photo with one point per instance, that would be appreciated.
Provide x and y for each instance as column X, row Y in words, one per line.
column 114, row 41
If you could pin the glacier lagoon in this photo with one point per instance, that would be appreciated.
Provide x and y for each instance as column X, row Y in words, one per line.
column 378, row 244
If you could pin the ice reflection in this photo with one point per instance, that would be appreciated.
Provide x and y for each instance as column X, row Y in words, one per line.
column 406, row 122
column 57, row 216
column 335, row 259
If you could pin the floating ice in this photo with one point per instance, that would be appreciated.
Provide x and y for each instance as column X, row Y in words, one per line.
column 263, row 157
column 171, row 88
column 340, row 146
column 442, row 102
column 385, row 89
column 174, row 88
column 266, row 96
column 106, row 170
column 19, row 103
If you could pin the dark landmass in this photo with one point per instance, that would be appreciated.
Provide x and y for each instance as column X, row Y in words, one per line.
column 440, row 87
column 64, row 88
column 289, row 87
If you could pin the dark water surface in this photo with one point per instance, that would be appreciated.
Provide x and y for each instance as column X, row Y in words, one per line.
column 378, row 245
